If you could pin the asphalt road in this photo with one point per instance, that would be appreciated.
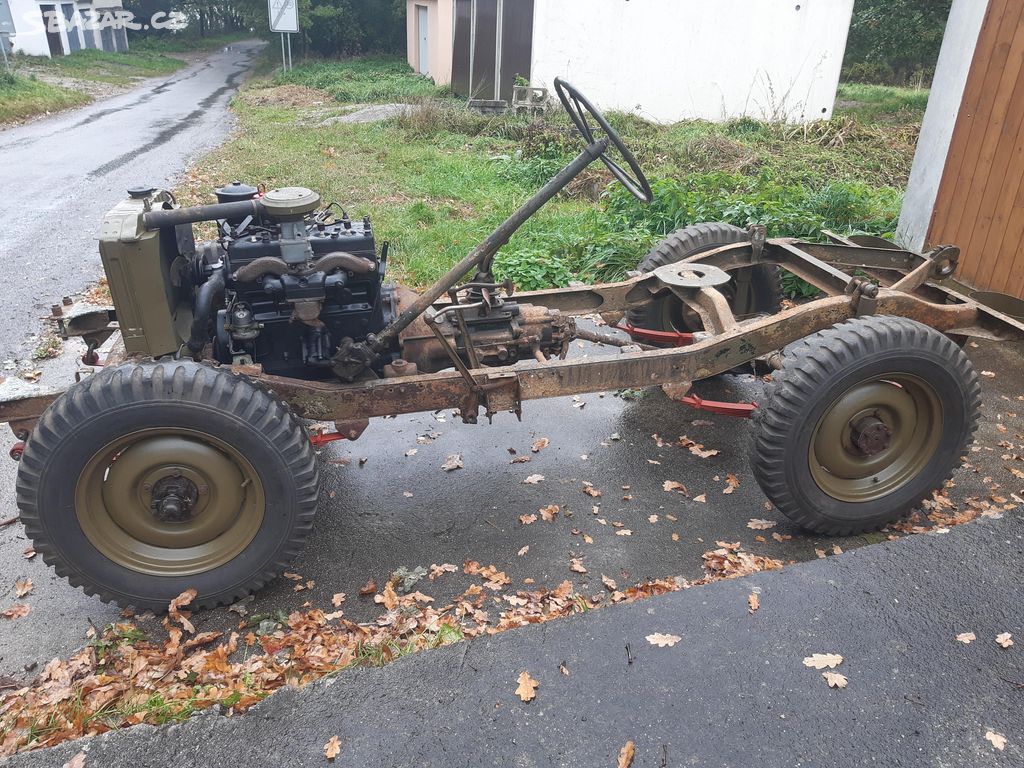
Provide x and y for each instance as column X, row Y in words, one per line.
column 62, row 174
column 732, row 693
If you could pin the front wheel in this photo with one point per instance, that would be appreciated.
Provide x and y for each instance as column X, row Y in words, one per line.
column 144, row 480
column 863, row 421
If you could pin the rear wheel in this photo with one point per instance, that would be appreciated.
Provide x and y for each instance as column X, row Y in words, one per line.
column 752, row 290
column 145, row 480
column 863, row 421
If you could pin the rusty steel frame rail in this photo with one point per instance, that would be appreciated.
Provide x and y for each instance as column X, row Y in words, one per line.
column 717, row 354
column 736, row 343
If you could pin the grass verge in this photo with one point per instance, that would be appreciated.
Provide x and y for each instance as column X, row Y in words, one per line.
column 105, row 67
column 182, row 43
column 22, row 97
column 439, row 178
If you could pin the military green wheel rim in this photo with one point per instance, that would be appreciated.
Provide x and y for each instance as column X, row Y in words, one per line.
column 169, row 502
column 876, row 437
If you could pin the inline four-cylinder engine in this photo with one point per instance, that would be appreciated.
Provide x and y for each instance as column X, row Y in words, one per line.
column 293, row 287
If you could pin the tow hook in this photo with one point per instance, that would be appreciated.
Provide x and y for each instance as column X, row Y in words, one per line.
column 17, row 450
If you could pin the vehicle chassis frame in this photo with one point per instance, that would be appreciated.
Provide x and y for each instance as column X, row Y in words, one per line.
column 899, row 289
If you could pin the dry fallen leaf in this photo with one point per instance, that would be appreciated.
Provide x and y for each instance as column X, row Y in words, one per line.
column 527, row 519
column 22, row 587
column 563, row 669
column 175, row 614
column 1005, row 639
column 452, row 463
column 759, row 524
column 626, row 755
column 702, row 498
column 609, row 583
column 674, row 485
column 996, row 739
column 533, row 479
column 436, row 571
column 548, row 513
column 527, row 689
column 662, row 640
column 624, row 532
column 338, row 599
column 540, row 444
column 16, row 611
column 753, row 602
column 368, row 588
column 522, row 552
column 412, row 452
column 966, row 637
column 823, row 661
column 834, row 679
column 388, row 597
column 576, row 565
column 332, row 748
column 590, row 490
column 29, row 553
column 78, row 761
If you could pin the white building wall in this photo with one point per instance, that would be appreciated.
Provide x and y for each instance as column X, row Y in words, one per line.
column 955, row 58
column 30, row 37
column 670, row 60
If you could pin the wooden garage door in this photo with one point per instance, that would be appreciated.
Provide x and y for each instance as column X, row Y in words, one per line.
column 980, row 205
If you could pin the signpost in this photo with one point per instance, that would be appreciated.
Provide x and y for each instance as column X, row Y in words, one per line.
column 284, row 18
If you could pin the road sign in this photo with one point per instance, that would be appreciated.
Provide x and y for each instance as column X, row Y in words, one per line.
column 6, row 20
column 284, row 15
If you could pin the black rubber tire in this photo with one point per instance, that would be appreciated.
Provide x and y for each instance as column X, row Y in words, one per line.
column 819, row 369
column 765, row 287
column 167, row 394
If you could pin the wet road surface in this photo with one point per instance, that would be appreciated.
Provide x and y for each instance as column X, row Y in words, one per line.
column 62, row 174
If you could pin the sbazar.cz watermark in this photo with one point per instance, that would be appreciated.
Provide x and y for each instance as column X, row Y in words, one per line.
column 97, row 19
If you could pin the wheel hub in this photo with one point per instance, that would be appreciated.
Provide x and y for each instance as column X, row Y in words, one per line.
column 875, row 437
column 169, row 502
column 174, row 499
column 870, row 435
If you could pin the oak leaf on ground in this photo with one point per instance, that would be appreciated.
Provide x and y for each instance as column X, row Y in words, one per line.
column 663, row 640
column 626, row 755
column 527, row 689
column 823, row 661
column 332, row 748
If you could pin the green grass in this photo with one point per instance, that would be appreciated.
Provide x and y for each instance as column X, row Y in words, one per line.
column 184, row 43
column 373, row 79
column 440, row 179
column 105, row 67
column 882, row 103
column 22, row 97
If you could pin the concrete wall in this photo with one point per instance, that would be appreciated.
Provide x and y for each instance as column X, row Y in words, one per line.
column 940, row 118
column 440, row 31
column 30, row 37
column 670, row 60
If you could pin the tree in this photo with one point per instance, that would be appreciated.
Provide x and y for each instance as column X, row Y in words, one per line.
column 895, row 41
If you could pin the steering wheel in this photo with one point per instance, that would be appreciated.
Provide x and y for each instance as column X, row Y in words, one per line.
column 579, row 107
